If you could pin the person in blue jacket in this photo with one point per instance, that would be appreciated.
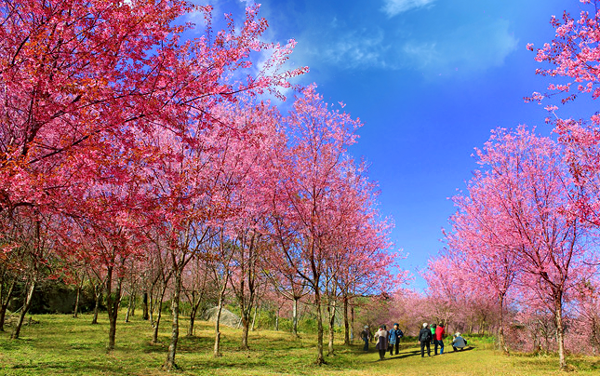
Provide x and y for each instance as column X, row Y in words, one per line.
column 458, row 343
column 394, row 339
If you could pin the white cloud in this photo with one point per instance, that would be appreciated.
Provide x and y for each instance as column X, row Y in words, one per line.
column 474, row 47
column 423, row 54
column 358, row 49
column 395, row 7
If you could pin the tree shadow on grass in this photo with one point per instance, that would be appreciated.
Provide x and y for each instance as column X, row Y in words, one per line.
column 399, row 356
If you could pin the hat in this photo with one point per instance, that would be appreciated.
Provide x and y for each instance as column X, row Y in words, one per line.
column 424, row 325
column 396, row 324
column 457, row 334
column 366, row 326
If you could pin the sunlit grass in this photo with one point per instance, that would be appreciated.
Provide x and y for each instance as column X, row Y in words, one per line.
column 62, row 345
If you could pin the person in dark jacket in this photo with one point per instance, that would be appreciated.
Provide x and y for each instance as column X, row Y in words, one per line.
column 366, row 336
column 394, row 339
column 425, row 340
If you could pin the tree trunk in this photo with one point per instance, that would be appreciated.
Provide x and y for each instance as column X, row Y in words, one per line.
column 277, row 319
column 3, row 309
column 128, row 309
column 24, row 310
column 295, row 317
column 501, row 338
column 96, row 308
column 331, row 308
column 560, row 331
column 217, row 348
column 320, row 358
column 245, row 329
column 156, row 324
column 151, row 309
column 190, row 332
column 346, row 323
column 133, row 303
column 170, row 362
column 4, row 303
column 254, row 318
column 352, row 323
column 112, row 306
column 77, row 301
column 145, row 305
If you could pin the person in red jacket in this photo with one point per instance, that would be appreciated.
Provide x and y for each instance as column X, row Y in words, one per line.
column 438, row 339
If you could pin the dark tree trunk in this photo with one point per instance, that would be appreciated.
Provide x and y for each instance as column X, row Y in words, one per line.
column 17, row 330
column 112, row 306
column 190, row 332
column 194, row 311
column 352, row 322
column 346, row 323
column 145, row 306
column 129, row 306
column 156, row 324
column 6, row 295
column 3, row 309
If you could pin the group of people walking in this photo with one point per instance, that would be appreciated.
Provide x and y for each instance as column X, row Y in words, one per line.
column 386, row 340
column 435, row 334
column 390, row 340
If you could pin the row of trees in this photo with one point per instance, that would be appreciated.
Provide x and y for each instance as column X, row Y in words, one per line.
column 523, row 241
column 127, row 152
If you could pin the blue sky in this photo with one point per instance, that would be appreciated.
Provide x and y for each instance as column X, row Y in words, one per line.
column 429, row 79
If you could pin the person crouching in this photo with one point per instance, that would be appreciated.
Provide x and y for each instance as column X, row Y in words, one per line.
column 458, row 342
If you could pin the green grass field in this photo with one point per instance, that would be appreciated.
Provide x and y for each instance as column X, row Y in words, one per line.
column 62, row 345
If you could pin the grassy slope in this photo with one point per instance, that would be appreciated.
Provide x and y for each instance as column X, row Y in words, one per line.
column 61, row 345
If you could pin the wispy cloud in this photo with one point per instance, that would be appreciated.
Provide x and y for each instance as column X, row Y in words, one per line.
column 471, row 47
column 474, row 47
column 357, row 49
column 395, row 7
column 423, row 54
